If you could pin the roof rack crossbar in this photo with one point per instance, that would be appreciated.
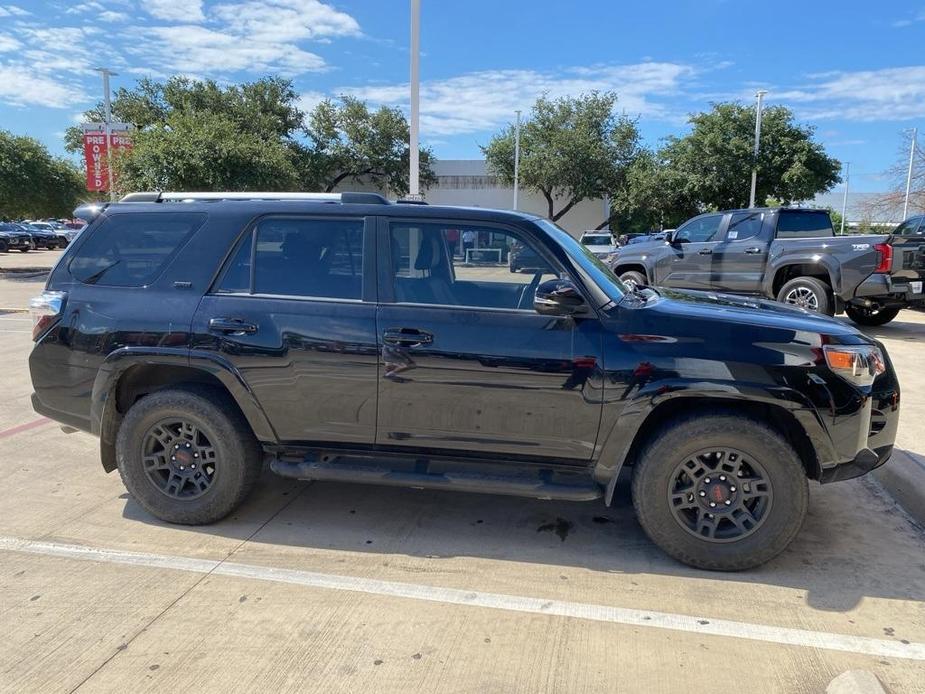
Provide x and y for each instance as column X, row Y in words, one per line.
column 181, row 196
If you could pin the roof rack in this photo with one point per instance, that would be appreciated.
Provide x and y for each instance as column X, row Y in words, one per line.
column 343, row 198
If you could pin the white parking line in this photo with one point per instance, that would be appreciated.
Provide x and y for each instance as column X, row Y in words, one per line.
column 512, row 603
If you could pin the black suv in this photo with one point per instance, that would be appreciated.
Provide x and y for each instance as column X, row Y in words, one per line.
column 343, row 337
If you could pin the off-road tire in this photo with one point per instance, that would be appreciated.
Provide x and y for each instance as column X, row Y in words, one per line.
column 822, row 294
column 681, row 439
column 633, row 276
column 863, row 316
column 238, row 453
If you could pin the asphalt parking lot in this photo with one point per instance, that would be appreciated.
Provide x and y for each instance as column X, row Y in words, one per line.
column 349, row 588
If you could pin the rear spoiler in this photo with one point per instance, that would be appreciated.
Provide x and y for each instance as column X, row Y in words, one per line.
column 90, row 211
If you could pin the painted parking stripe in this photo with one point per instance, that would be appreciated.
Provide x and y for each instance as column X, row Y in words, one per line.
column 25, row 427
column 704, row 626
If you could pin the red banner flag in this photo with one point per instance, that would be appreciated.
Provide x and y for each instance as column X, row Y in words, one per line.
column 95, row 152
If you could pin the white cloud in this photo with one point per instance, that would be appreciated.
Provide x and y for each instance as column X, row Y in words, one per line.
column 480, row 101
column 21, row 86
column 889, row 94
column 12, row 11
column 187, row 11
column 113, row 16
column 198, row 50
column 285, row 20
column 8, row 43
column 908, row 21
column 308, row 100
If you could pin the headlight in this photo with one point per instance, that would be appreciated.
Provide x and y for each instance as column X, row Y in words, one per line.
column 857, row 364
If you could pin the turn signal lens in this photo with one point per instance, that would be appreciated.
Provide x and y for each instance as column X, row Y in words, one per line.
column 859, row 364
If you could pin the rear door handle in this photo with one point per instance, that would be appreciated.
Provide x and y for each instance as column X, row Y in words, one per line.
column 232, row 326
column 753, row 250
column 705, row 251
column 407, row 337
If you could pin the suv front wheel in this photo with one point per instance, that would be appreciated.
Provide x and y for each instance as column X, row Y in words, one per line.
column 187, row 456
column 721, row 492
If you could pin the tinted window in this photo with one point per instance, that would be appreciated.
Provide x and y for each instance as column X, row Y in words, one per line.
column 803, row 225
column 744, row 225
column 911, row 227
column 236, row 277
column 303, row 257
column 7, row 227
column 700, row 229
column 598, row 240
column 130, row 250
column 462, row 265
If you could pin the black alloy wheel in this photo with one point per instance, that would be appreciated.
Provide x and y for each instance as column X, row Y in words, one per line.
column 179, row 459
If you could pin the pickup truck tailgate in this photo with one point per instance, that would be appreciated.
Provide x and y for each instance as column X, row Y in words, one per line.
column 908, row 258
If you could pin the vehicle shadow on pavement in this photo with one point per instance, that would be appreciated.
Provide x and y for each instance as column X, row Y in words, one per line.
column 895, row 330
column 855, row 543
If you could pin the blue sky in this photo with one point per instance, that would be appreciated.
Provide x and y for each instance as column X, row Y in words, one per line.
column 855, row 70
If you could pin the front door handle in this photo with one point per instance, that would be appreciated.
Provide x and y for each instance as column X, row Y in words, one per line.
column 407, row 337
column 705, row 251
column 232, row 326
column 754, row 250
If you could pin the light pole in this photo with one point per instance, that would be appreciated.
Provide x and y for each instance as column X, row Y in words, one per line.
column 107, row 123
column 516, row 158
column 915, row 132
column 844, row 201
column 413, row 178
column 760, row 94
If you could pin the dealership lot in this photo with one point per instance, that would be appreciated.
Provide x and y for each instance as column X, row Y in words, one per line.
column 330, row 587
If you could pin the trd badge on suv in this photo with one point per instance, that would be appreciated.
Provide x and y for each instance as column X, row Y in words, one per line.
column 343, row 337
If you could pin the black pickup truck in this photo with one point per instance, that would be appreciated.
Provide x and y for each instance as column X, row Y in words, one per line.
column 788, row 254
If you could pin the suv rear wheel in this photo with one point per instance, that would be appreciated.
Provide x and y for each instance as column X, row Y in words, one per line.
column 721, row 492
column 809, row 293
column 871, row 316
column 187, row 455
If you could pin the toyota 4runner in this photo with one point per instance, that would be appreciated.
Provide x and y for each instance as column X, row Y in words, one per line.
column 342, row 337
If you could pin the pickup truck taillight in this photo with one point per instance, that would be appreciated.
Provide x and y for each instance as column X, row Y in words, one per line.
column 45, row 310
column 885, row 263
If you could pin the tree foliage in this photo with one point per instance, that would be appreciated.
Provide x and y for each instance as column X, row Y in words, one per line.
column 651, row 196
column 348, row 141
column 200, row 135
column 571, row 149
column 714, row 161
column 35, row 183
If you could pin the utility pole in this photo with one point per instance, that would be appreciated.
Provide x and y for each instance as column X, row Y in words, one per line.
column 413, row 178
column 751, row 198
column 107, row 127
column 915, row 132
column 844, row 201
column 516, row 158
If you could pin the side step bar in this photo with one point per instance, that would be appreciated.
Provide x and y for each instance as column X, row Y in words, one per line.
column 534, row 486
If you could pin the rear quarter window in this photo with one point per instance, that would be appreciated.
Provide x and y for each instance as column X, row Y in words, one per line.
column 804, row 225
column 131, row 250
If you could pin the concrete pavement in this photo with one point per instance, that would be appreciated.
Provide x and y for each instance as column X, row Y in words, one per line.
column 351, row 588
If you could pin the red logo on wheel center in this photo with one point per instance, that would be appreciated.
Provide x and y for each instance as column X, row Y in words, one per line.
column 718, row 493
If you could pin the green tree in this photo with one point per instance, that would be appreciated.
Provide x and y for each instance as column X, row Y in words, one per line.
column 348, row 141
column 571, row 149
column 35, row 183
column 651, row 196
column 715, row 159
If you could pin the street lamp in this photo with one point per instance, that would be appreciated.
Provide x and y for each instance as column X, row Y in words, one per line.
column 844, row 200
column 413, row 179
column 915, row 133
column 760, row 95
column 516, row 157
column 107, row 127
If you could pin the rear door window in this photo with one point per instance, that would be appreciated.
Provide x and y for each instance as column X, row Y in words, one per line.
column 131, row 250
column 744, row 225
column 804, row 224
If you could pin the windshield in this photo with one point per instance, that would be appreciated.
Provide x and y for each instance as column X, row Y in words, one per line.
column 603, row 276
column 596, row 240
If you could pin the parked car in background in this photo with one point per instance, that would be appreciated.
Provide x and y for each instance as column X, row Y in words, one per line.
column 12, row 238
column 523, row 257
column 600, row 243
column 63, row 233
column 337, row 338
column 41, row 237
column 788, row 254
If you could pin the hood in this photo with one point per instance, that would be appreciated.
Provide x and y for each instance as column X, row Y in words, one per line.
column 753, row 311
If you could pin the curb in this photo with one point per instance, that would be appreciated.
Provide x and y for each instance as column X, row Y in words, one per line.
column 903, row 478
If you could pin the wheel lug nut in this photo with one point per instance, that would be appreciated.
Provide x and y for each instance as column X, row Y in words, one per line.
column 728, row 503
column 176, row 445
column 703, row 493
column 187, row 444
column 712, row 504
column 196, row 455
column 722, row 478
column 732, row 489
column 173, row 457
column 707, row 480
column 182, row 468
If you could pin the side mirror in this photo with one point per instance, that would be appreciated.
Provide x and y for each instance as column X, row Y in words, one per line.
column 558, row 297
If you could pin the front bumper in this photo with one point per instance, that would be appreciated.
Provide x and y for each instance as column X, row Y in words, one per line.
column 865, row 461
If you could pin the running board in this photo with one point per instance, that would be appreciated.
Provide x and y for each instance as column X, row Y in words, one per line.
column 535, row 487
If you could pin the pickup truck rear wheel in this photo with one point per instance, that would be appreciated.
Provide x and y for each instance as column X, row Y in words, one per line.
column 187, row 456
column 633, row 278
column 722, row 492
column 871, row 316
column 809, row 293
